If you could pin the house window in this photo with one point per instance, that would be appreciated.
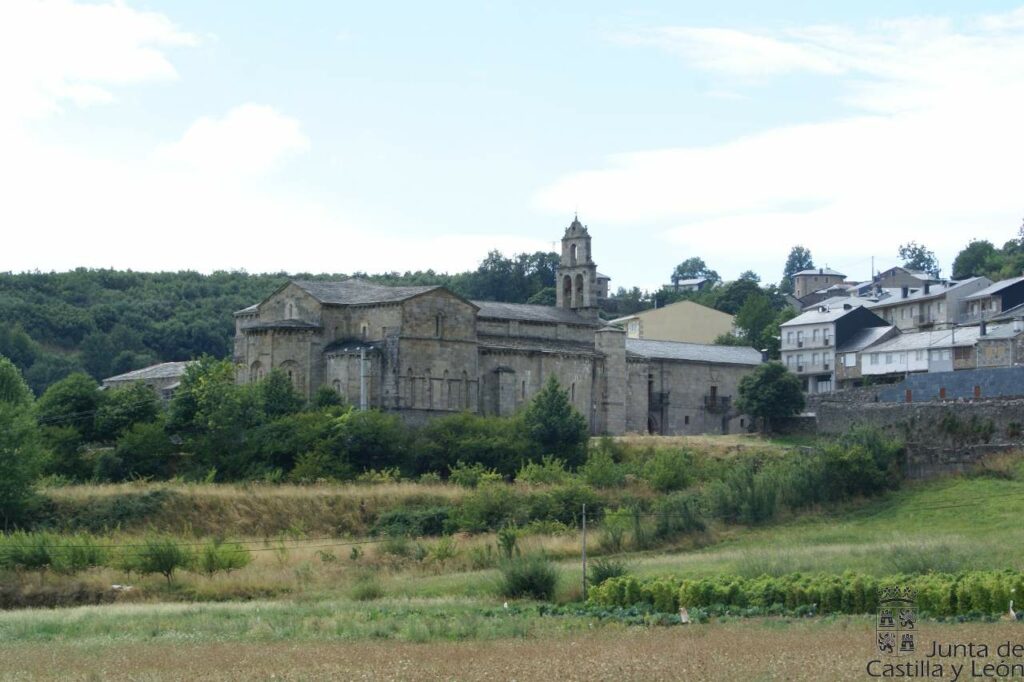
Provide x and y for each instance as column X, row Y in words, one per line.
column 903, row 358
column 789, row 338
column 919, row 355
column 888, row 358
column 814, row 359
column 799, row 336
column 814, row 336
column 874, row 358
column 939, row 307
column 789, row 361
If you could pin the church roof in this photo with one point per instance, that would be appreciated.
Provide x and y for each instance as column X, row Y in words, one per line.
column 694, row 352
column 165, row 370
column 531, row 313
column 282, row 324
column 359, row 292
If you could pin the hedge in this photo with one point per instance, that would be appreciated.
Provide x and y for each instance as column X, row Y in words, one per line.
column 938, row 594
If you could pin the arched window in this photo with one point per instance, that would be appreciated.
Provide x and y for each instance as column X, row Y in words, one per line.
column 572, row 255
column 289, row 311
column 336, row 385
column 255, row 372
column 566, row 291
column 295, row 375
column 439, row 325
column 364, row 330
column 579, row 291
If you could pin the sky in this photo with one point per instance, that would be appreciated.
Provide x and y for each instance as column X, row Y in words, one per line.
column 392, row 136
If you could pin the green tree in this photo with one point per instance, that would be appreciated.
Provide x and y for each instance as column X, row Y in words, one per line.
column 917, row 257
column 750, row 276
column 693, row 268
column 754, row 318
column 124, row 407
column 799, row 259
column 279, row 395
column 72, row 401
column 554, row 427
column 770, row 392
column 20, row 452
column 977, row 259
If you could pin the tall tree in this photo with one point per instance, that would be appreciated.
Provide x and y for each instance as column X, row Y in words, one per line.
column 917, row 257
column 978, row 258
column 20, row 452
column 754, row 318
column 750, row 276
column 770, row 393
column 554, row 426
column 799, row 259
column 694, row 268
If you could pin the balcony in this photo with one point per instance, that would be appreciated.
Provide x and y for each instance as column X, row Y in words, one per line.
column 717, row 403
column 658, row 400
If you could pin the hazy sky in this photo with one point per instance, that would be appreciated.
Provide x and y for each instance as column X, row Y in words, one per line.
column 343, row 136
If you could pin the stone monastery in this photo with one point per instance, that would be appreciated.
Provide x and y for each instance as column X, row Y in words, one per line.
column 425, row 351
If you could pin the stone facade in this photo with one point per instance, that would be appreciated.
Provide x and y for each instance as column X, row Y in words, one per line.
column 425, row 352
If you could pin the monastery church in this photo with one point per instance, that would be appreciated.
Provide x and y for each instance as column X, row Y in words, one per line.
column 425, row 351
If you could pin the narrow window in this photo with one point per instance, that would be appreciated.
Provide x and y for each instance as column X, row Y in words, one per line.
column 438, row 325
column 572, row 393
column 686, row 420
column 523, row 392
column 364, row 330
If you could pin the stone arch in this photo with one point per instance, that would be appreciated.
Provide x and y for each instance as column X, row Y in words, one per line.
column 292, row 370
column 255, row 371
column 566, row 291
column 578, row 291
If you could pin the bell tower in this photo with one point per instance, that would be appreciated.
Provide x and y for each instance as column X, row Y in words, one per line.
column 576, row 277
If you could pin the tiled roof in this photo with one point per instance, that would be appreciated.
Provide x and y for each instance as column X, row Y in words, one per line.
column 521, row 343
column 531, row 313
column 995, row 288
column 165, row 370
column 693, row 352
column 359, row 292
column 894, row 295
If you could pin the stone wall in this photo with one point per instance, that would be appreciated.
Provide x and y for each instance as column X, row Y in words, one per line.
column 941, row 437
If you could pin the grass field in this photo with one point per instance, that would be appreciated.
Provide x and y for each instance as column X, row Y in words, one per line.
column 761, row 649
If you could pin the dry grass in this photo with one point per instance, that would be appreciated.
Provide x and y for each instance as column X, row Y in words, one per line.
column 753, row 650
column 706, row 444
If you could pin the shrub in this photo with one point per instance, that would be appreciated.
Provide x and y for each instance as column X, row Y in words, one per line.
column 508, row 537
column 495, row 443
column 443, row 550
column 532, row 577
column 157, row 554
column 668, row 470
column 217, row 556
column 678, row 513
column 548, row 470
column 615, row 525
column 554, row 427
column 412, row 521
column 367, row 588
column 489, row 507
column 75, row 553
column 601, row 470
column 472, row 475
column 603, row 569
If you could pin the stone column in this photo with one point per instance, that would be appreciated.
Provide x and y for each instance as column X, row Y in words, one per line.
column 611, row 342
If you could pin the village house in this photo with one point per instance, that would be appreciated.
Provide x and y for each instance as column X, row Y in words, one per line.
column 683, row 321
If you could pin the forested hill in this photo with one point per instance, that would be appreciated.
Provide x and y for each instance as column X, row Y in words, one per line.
column 106, row 322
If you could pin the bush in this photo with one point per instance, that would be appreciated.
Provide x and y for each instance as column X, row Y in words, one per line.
column 489, row 507
column 219, row 556
column 412, row 521
column 548, row 470
column 157, row 554
column 604, row 569
column 678, row 513
column 493, row 443
column 615, row 525
column 533, row 577
column 601, row 469
column 668, row 470
column 472, row 475
column 554, row 427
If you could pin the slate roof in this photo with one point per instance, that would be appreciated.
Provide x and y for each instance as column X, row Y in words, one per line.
column 693, row 352
column 894, row 295
column 819, row 271
column 521, row 343
column 994, row 289
column 815, row 315
column 165, row 370
column 359, row 292
column 531, row 313
column 246, row 311
column 863, row 338
column 282, row 324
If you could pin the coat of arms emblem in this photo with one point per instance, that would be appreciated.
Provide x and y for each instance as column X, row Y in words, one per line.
column 896, row 625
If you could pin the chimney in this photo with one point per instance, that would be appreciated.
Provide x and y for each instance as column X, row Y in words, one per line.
column 927, row 287
column 983, row 328
column 904, row 291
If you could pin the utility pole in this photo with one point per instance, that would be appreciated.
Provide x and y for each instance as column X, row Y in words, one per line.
column 584, row 552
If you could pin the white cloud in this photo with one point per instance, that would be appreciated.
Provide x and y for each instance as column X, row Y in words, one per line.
column 53, row 51
column 248, row 139
column 930, row 149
